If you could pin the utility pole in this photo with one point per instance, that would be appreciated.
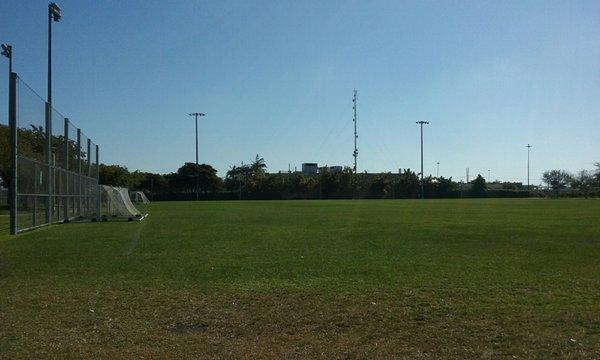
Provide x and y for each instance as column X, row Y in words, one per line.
column 437, row 172
column 355, row 153
column 421, row 123
column 528, row 149
column 195, row 115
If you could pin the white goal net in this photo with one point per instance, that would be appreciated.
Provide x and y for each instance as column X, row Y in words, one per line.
column 117, row 203
column 138, row 197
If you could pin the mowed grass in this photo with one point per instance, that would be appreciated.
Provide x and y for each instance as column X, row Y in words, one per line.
column 343, row 279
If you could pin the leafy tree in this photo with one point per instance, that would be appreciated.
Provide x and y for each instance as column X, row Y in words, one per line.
column 556, row 179
column 190, row 176
column 583, row 180
column 239, row 176
column 408, row 185
column 478, row 186
column 307, row 184
column 509, row 186
column 445, row 186
column 344, row 183
column 381, row 186
column 253, row 177
column 259, row 166
column 114, row 175
column 151, row 183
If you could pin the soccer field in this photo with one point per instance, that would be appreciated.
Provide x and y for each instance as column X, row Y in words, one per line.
column 381, row 278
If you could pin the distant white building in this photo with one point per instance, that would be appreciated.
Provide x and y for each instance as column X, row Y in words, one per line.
column 310, row 168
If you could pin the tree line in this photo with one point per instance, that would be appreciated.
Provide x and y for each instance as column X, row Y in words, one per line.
column 252, row 181
column 586, row 182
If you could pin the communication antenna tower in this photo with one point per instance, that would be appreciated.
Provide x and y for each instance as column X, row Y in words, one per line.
column 355, row 153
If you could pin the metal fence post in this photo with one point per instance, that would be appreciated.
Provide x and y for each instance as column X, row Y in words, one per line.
column 79, row 203
column 89, row 163
column 87, row 173
column 66, row 201
column 97, row 177
column 12, row 120
column 50, row 176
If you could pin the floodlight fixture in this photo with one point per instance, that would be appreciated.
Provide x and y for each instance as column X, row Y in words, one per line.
column 7, row 50
column 54, row 14
column 55, row 11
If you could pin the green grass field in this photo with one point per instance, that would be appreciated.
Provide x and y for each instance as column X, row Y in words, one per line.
column 434, row 278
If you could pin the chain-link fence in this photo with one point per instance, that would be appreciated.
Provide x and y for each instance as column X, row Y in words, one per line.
column 3, row 196
column 54, row 166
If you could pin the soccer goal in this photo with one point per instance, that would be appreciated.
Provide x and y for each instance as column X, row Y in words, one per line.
column 116, row 203
column 138, row 197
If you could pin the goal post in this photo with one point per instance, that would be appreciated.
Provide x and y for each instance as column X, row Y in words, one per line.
column 138, row 197
column 116, row 203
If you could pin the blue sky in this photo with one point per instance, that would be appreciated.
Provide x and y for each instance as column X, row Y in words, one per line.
column 276, row 79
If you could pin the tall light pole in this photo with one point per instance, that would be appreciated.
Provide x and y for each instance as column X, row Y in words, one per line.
column 7, row 51
column 528, row 149
column 421, row 123
column 195, row 115
column 488, row 175
column 54, row 15
column 437, row 171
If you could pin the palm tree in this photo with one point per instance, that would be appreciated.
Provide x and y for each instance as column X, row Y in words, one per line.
column 258, row 165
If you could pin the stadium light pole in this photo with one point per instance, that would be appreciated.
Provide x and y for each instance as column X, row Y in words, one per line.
column 7, row 52
column 195, row 115
column 54, row 15
column 528, row 148
column 421, row 123
column 437, row 171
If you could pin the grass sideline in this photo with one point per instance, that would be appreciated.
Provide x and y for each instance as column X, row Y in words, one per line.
column 371, row 278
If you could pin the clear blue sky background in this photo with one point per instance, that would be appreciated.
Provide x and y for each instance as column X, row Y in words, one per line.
column 276, row 79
